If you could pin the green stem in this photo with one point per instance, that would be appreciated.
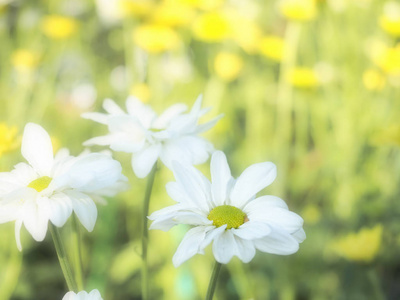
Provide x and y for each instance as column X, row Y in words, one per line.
column 76, row 249
column 213, row 281
column 145, row 234
column 376, row 284
column 62, row 257
column 284, row 99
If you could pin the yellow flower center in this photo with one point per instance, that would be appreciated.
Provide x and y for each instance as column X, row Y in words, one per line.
column 41, row 183
column 229, row 215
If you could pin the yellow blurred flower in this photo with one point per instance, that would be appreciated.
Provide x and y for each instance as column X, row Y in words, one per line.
column 156, row 38
column 298, row 10
column 24, row 60
column 200, row 4
column 303, row 78
column 137, row 8
column 211, row 27
column 228, row 65
column 173, row 15
column 373, row 80
column 362, row 246
column 272, row 47
column 8, row 138
column 141, row 91
column 245, row 31
column 388, row 59
column 59, row 27
column 390, row 19
column 311, row 214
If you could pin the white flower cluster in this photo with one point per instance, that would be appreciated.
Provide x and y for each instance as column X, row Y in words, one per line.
column 49, row 187
column 224, row 211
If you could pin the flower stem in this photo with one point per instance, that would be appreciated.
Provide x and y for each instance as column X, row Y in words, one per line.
column 62, row 257
column 213, row 281
column 76, row 249
column 145, row 234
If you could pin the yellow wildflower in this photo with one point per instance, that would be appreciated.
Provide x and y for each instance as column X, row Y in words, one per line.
column 362, row 246
column 303, row 78
column 141, row 91
column 390, row 19
column 298, row 10
column 200, row 4
column 245, row 31
column 228, row 65
column 388, row 59
column 272, row 47
column 173, row 15
column 59, row 27
column 373, row 80
column 156, row 38
column 8, row 138
column 24, row 60
column 211, row 27
column 138, row 8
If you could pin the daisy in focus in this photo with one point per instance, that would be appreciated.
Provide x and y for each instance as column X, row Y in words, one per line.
column 93, row 295
column 171, row 136
column 227, row 212
column 49, row 188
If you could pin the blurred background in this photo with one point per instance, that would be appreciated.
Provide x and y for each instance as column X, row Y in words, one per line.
column 313, row 86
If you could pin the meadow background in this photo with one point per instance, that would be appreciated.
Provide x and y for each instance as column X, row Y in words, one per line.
column 313, row 86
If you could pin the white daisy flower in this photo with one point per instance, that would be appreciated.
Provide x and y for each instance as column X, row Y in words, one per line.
column 50, row 188
column 227, row 212
column 93, row 295
column 171, row 136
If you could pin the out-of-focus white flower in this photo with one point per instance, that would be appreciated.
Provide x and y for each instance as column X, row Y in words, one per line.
column 93, row 295
column 227, row 212
column 50, row 188
column 83, row 96
column 171, row 136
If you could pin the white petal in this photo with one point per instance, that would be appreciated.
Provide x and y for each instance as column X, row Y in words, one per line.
column 143, row 161
column 245, row 249
column 95, row 116
column 37, row 148
column 142, row 112
column 299, row 235
column 91, row 172
column 265, row 203
column 187, row 149
column 207, row 126
column 18, row 225
column 251, row 181
column 220, row 177
column 278, row 242
column 197, row 187
column 224, row 247
column 104, row 140
column 279, row 217
column 168, row 115
column 84, row 208
column 112, row 108
column 210, row 236
column 252, row 230
column 176, row 192
column 36, row 217
column 189, row 245
column 60, row 209
column 95, row 295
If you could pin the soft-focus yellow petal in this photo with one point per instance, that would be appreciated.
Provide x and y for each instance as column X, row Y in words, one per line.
column 156, row 38
column 272, row 47
column 59, row 27
column 228, row 65
column 362, row 246
column 298, row 10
